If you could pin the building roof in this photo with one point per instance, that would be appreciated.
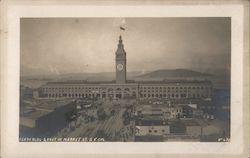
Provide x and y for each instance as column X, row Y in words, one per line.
column 191, row 122
column 39, row 110
column 131, row 81
column 52, row 105
column 35, row 114
column 80, row 82
column 174, row 81
column 159, row 107
column 153, row 121
column 149, row 138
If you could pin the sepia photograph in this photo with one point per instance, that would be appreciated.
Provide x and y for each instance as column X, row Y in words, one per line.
column 125, row 79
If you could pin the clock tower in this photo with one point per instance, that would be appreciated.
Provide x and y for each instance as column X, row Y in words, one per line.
column 120, row 63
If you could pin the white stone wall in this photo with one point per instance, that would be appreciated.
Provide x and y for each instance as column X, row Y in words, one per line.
column 152, row 130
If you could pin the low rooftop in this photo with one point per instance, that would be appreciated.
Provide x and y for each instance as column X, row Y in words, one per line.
column 36, row 111
column 35, row 114
column 191, row 122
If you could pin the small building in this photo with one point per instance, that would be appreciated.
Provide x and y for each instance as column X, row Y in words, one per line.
column 25, row 92
column 48, row 118
column 164, row 110
column 149, row 138
column 189, row 127
column 193, row 128
column 35, row 94
column 154, row 126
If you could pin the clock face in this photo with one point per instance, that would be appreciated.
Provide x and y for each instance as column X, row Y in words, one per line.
column 119, row 67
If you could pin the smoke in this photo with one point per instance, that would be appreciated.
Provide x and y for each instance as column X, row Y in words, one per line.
column 119, row 22
column 54, row 70
column 123, row 21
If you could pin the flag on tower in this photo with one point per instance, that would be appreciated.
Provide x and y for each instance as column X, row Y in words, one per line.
column 122, row 28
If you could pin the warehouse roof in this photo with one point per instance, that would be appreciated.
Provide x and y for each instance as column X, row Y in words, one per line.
column 131, row 81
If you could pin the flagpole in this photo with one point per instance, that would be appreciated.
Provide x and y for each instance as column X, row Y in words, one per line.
column 120, row 31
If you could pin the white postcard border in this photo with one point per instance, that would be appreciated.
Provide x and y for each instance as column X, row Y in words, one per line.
column 10, row 100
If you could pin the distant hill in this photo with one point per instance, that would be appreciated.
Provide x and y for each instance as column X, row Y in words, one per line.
column 161, row 74
column 101, row 76
column 173, row 73
column 219, row 79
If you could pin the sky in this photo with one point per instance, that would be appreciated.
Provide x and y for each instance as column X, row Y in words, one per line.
column 83, row 45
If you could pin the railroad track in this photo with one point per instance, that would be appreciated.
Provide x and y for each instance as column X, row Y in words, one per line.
column 108, row 125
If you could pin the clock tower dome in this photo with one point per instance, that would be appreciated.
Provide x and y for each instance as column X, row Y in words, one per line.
column 120, row 63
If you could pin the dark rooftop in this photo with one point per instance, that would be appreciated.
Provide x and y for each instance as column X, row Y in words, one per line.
column 191, row 122
column 149, row 138
column 81, row 82
column 151, row 123
column 44, row 108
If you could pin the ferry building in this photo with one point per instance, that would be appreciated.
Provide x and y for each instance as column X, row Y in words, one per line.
column 122, row 88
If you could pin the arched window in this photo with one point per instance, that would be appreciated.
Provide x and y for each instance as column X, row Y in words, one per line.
column 118, row 89
column 126, row 89
column 110, row 90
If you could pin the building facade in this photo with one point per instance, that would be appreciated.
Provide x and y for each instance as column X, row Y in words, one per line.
column 151, row 127
column 120, row 62
column 121, row 88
